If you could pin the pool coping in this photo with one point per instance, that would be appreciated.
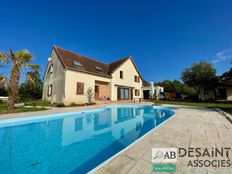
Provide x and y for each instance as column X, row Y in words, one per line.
column 46, row 117
column 23, row 120
column 129, row 146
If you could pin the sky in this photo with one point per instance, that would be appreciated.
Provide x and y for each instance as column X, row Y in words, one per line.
column 162, row 36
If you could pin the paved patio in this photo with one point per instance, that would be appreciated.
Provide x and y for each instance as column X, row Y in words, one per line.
column 190, row 127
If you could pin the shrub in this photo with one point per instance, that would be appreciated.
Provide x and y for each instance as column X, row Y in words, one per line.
column 72, row 104
column 90, row 94
column 60, row 105
column 3, row 91
column 29, row 91
column 80, row 104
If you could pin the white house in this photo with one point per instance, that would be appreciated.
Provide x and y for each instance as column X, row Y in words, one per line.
column 69, row 75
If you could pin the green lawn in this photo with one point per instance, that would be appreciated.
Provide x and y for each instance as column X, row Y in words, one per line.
column 37, row 103
column 227, row 107
column 4, row 110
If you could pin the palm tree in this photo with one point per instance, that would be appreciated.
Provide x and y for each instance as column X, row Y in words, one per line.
column 19, row 60
column 33, row 77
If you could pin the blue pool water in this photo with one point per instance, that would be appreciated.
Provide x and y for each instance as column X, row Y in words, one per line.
column 74, row 142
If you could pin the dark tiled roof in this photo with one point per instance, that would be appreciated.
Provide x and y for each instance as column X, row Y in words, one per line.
column 88, row 65
column 224, row 81
column 145, row 83
column 113, row 66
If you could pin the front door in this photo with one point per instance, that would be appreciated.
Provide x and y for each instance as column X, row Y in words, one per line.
column 96, row 92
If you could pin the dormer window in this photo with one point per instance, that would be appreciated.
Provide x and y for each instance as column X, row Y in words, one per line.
column 77, row 63
column 98, row 68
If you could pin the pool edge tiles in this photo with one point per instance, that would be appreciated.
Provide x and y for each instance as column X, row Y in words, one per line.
column 47, row 117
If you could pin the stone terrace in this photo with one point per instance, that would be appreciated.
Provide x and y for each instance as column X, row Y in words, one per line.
column 190, row 127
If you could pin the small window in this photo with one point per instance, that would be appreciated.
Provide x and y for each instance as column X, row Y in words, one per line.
column 137, row 92
column 121, row 74
column 49, row 92
column 77, row 63
column 80, row 88
column 137, row 79
column 50, row 69
column 98, row 68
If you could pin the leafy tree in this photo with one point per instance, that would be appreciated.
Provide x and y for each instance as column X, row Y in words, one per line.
column 168, row 86
column 227, row 76
column 199, row 75
column 32, row 89
column 19, row 60
column 177, row 86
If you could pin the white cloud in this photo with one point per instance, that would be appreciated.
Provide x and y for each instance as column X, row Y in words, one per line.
column 223, row 55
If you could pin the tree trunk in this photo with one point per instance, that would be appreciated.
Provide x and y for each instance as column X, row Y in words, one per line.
column 201, row 96
column 13, row 86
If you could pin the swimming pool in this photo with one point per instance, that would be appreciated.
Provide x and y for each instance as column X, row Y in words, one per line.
column 74, row 142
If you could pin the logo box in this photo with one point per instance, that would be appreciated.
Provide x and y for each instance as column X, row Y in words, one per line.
column 164, row 167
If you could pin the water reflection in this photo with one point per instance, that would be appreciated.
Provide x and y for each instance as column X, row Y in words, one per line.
column 76, row 143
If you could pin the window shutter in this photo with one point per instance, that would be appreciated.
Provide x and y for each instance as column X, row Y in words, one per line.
column 80, row 88
column 137, row 92
column 49, row 92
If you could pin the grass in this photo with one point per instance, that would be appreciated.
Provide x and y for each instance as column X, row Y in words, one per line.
column 37, row 103
column 227, row 107
column 4, row 109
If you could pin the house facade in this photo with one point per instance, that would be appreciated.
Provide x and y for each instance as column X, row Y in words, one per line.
column 3, row 82
column 69, row 76
column 221, row 91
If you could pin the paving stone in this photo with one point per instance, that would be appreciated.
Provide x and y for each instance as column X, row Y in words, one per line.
column 190, row 127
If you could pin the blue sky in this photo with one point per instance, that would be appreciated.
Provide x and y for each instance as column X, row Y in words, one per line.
column 162, row 36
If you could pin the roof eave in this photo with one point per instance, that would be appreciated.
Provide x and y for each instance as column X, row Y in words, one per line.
column 87, row 72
